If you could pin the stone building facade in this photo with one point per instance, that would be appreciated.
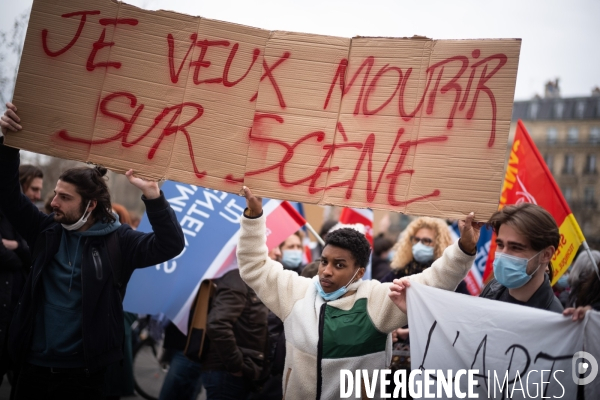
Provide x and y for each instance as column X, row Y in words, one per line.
column 567, row 134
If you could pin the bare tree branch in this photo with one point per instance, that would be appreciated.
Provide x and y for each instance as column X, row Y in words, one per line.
column 11, row 47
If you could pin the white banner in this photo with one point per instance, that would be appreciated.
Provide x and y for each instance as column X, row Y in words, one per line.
column 520, row 352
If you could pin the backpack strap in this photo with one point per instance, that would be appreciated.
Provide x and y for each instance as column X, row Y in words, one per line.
column 197, row 325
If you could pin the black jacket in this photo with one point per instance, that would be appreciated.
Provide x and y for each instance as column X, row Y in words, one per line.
column 413, row 267
column 236, row 329
column 543, row 298
column 13, row 267
column 380, row 268
column 102, row 309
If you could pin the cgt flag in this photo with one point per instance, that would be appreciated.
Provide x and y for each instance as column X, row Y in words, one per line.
column 528, row 180
column 210, row 223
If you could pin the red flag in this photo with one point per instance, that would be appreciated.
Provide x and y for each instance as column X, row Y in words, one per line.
column 528, row 180
column 307, row 253
column 282, row 221
column 359, row 216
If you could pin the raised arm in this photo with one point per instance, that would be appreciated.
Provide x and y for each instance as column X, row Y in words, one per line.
column 18, row 209
column 448, row 270
column 277, row 288
column 165, row 241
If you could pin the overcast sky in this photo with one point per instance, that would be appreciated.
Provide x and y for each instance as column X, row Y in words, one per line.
column 560, row 37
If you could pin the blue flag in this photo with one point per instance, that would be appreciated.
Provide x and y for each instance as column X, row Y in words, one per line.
column 210, row 223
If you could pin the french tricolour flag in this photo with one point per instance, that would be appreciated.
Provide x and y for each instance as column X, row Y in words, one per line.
column 474, row 278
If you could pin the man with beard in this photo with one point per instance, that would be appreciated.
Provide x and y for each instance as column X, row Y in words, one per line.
column 68, row 325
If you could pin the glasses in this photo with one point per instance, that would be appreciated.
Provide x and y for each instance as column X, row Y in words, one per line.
column 426, row 241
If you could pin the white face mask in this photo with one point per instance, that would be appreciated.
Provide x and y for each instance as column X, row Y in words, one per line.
column 81, row 222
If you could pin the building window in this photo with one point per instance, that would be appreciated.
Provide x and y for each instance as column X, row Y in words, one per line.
column 579, row 109
column 558, row 109
column 588, row 195
column 568, row 168
column 549, row 159
column 552, row 135
column 573, row 135
column 595, row 134
column 590, row 164
column 568, row 194
column 533, row 110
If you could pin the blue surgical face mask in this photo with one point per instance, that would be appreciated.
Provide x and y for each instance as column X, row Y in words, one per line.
column 291, row 259
column 563, row 281
column 511, row 271
column 391, row 255
column 335, row 294
column 422, row 253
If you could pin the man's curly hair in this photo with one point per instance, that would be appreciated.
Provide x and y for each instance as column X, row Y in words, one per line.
column 353, row 241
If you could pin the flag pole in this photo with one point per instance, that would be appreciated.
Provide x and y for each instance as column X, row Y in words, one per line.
column 589, row 252
column 315, row 234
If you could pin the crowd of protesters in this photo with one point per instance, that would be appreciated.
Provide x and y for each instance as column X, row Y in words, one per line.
column 274, row 328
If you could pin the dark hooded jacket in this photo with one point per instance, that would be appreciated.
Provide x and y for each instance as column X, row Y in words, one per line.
column 102, row 328
column 543, row 298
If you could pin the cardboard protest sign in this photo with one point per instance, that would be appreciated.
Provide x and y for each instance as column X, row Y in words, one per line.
column 411, row 125
column 292, row 131
column 520, row 352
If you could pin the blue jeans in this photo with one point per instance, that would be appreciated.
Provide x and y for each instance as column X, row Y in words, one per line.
column 183, row 381
column 221, row 385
